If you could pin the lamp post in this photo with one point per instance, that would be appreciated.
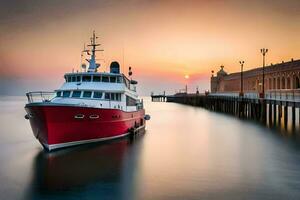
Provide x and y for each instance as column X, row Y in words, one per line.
column 263, row 52
column 242, row 79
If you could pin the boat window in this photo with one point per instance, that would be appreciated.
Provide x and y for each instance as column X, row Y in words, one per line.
column 113, row 96
column 66, row 94
column 58, row 94
column 119, row 79
column 69, row 79
column 96, row 78
column 107, row 96
column 78, row 78
column 113, row 79
column 76, row 94
column 86, row 78
column 118, row 97
column 98, row 95
column 130, row 101
column 105, row 79
column 73, row 78
column 87, row 94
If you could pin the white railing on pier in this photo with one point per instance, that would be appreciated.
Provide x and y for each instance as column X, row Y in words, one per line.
column 283, row 95
column 225, row 94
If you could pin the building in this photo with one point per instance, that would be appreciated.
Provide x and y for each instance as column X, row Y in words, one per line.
column 285, row 75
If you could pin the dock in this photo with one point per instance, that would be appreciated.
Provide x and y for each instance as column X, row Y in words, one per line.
column 159, row 97
column 275, row 107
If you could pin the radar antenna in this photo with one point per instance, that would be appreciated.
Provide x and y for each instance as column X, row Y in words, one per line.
column 92, row 61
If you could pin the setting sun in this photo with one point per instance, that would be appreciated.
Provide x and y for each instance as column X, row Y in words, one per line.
column 186, row 76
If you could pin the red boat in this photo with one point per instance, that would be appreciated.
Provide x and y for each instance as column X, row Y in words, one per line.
column 90, row 106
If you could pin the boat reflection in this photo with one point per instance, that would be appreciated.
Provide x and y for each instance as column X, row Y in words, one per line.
column 74, row 169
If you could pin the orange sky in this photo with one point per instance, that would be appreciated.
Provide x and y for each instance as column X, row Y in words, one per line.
column 162, row 40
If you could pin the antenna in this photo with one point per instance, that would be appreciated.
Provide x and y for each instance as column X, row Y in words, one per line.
column 123, row 63
column 92, row 61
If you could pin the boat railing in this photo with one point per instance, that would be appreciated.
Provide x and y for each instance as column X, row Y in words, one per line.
column 39, row 96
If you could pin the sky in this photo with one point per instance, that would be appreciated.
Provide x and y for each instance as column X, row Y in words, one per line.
column 162, row 40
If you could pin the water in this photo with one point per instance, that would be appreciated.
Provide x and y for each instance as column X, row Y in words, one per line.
column 186, row 153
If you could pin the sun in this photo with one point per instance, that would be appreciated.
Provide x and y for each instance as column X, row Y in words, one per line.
column 186, row 76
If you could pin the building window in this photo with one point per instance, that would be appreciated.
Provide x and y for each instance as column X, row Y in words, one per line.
column 66, row 94
column 86, row 78
column 283, row 83
column 97, row 95
column 288, row 83
column 297, row 82
column 87, row 94
column 76, row 94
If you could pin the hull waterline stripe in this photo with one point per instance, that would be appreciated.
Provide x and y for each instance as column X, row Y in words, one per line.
column 67, row 144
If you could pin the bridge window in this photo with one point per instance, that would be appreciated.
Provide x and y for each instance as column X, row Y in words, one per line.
column 73, row 79
column 112, row 79
column 76, row 94
column 78, row 78
column 105, row 79
column 87, row 94
column 66, row 94
column 86, row 78
column 98, row 95
column 69, row 79
column 119, row 79
column 96, row 79
column 58, row 94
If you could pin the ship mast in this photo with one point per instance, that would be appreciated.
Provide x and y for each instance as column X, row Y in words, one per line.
column 93, row 66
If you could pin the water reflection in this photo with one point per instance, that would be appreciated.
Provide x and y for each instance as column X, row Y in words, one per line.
column 187, row 153
column 75, row 170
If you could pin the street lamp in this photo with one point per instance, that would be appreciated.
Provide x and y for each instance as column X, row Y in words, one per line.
column 263, row 52
column 242, row 85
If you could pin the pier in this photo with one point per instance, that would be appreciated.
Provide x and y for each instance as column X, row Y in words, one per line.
column 159, row 97
column 278, row 106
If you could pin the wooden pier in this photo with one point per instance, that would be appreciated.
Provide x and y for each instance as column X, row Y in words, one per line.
column 159, row 97
column 276, row 107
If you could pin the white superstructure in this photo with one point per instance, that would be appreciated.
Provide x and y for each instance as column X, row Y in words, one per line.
column 98, row 89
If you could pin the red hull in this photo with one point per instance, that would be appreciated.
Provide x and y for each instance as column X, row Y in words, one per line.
column 57, row 126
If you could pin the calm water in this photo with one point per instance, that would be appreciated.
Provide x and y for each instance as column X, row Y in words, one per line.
column 186, row 153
